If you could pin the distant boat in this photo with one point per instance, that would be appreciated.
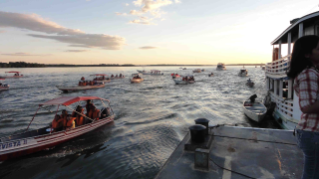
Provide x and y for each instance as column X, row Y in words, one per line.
column 152, row 72
column 243, row 72
column 101, row 78
column 83, row 85
column 136, row 78
column 211, row 74
column 255, row 110
column 184, row 80
column 3, row 87
column 220, row 66
column 197, row 71
column 250, row 83
column 17, row 74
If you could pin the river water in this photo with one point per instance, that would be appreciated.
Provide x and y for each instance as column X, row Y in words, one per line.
column 151, row 118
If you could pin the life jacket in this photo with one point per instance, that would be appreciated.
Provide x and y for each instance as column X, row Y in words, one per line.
column 79, row 119
column 56, row 123
column 96, row 114
column 71, row 122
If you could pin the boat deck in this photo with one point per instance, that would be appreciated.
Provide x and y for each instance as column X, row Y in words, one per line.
column 238, row 152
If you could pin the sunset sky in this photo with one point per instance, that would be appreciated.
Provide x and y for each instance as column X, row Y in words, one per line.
column 144, row 31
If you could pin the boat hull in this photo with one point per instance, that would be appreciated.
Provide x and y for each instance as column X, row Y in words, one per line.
column 136, row 80
column 14, row 148
column 256, row 112
column 79, row 88
column 4, row 89
column 181, row 82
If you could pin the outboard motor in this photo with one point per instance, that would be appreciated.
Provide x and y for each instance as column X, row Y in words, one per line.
column 252, row 98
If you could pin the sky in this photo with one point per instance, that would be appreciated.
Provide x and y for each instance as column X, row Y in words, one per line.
column 144, row 31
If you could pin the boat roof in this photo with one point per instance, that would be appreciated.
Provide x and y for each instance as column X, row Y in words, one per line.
column 99, row 75
column 12, row 72
column 294, row 26
column 68, row 100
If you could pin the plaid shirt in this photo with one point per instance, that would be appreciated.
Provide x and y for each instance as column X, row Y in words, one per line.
column 307, row 89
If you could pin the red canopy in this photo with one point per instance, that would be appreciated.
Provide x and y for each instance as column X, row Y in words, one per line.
column 66, row 101
column 12, row 72
column 2, row 78
column 99, row 75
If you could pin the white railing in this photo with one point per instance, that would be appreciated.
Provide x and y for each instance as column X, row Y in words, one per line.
column 284, row 106
column 278, row 67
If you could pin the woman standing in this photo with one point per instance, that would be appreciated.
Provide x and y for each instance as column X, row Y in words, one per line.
column 304, row 70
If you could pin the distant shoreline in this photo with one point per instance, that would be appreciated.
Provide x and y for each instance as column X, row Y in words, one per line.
column 37, row 65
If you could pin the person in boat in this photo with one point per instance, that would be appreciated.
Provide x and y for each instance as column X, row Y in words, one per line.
column 82, row 79
column 120, row 75
column 57, row 123
column 89, row 108
column 112, row 76
column 304, row 70
column 249, row 80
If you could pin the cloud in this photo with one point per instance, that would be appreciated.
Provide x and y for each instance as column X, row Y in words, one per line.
column 144, row 22
column 153, row 7
column 76, row 51
column 22, row 54
column 149, row 5
column 34, row 22
column 126, row 4
column 135, row 12
column 120, row 14
column 147, row 47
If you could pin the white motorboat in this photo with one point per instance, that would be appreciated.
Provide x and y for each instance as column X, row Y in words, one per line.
column 3, row 87
column 220, row 66
column 184, row 80
column 255, row 110
column 250, row 83
column 197, row 71
column 243, row 72
column 136, row 78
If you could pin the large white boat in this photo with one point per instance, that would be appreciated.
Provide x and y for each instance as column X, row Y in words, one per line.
column 221, row 66
column 280, row 88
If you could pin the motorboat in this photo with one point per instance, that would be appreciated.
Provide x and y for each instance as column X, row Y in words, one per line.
column 101, row 78
column 250, row 83
column 243, row 72
column 175, row 75
column 254, row 110
column 197, row 71
column 83, row 85
column 16, row 74
column 184, row 80
column 263, row 67
column 152, row 72
column 220, row 66
column 3, row 87
column 36, row 140
column 120, row 76
column 211, row 74
column 136, row 78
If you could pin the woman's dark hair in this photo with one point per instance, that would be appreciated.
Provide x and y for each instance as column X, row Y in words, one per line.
column 299, row 62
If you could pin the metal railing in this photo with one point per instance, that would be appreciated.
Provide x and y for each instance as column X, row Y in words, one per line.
column 278, row 67
column 284, row 106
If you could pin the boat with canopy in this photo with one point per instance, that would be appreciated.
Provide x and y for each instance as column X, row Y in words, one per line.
column 184, row 80
column 3, row 87
column 36, row 140
column 16, row 74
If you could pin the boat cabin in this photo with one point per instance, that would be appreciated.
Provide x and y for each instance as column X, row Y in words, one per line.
column 280, row 87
